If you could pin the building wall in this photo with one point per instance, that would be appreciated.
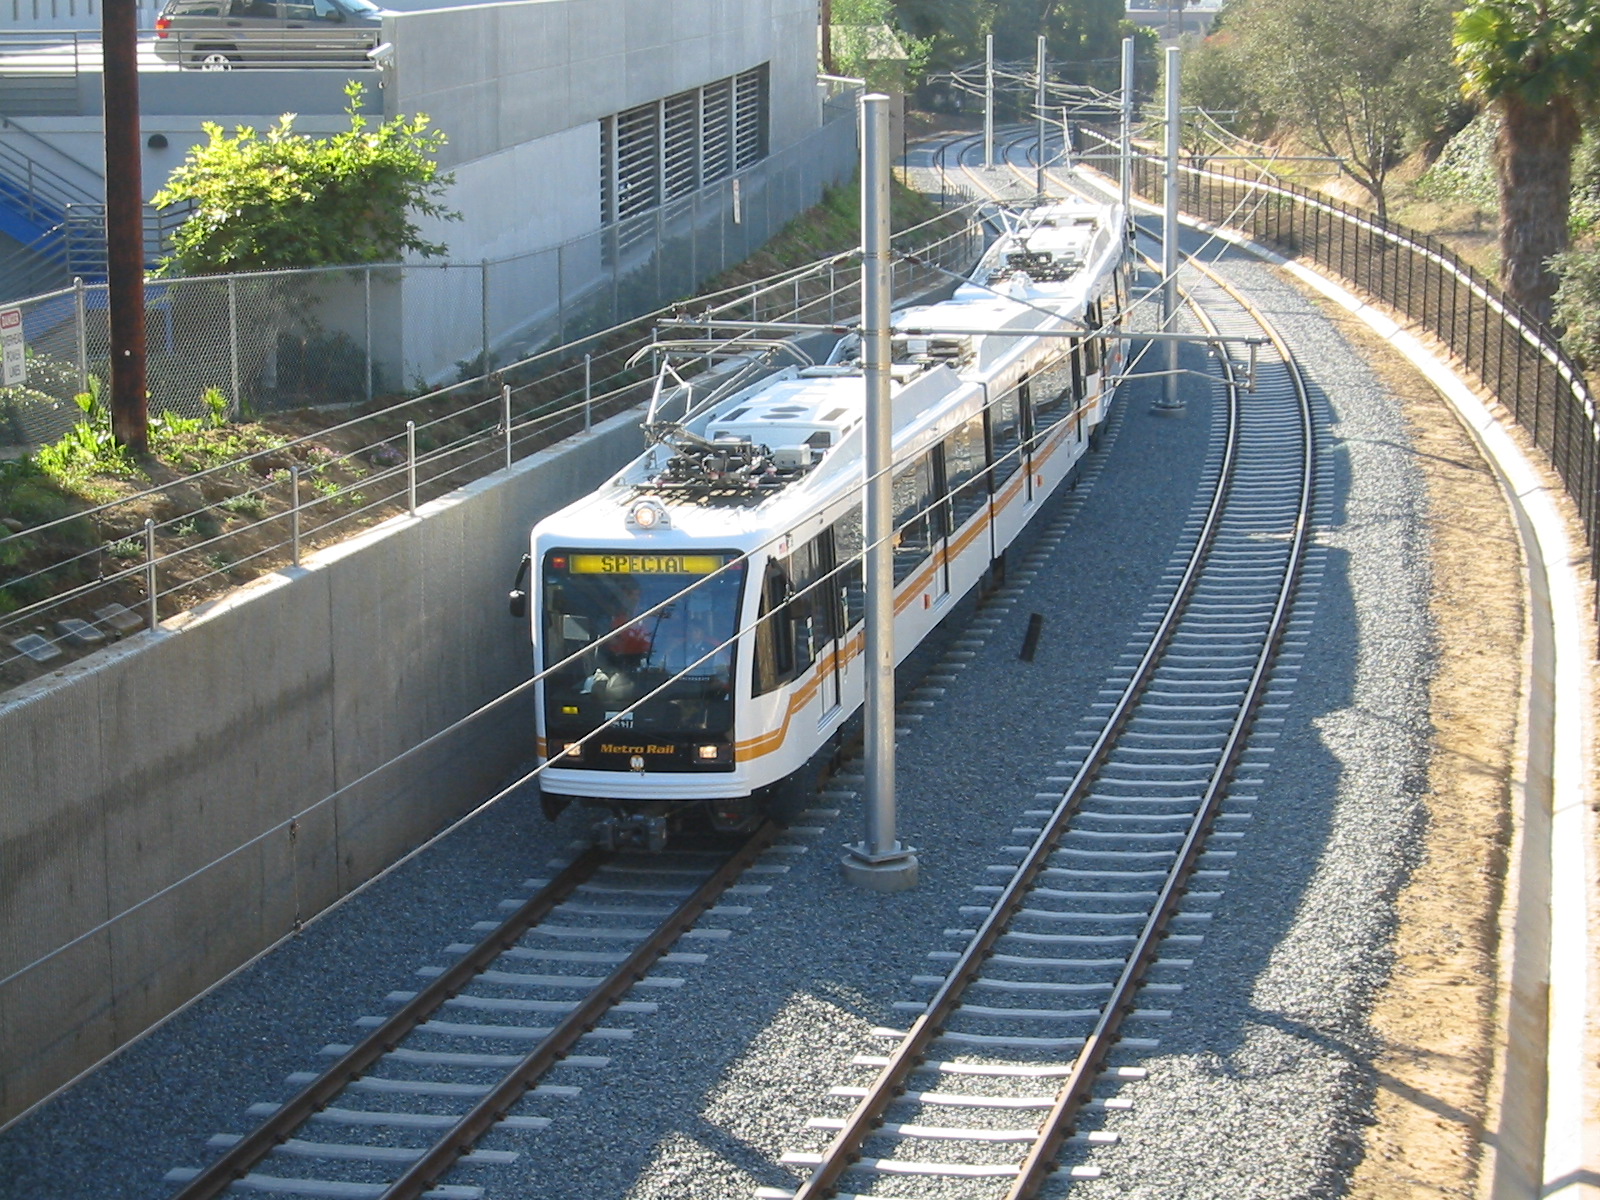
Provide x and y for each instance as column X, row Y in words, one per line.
column 538, row 76
column 185, row 752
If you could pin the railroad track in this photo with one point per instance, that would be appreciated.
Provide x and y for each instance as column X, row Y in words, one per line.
column 455, row 1059
column 1074, row 955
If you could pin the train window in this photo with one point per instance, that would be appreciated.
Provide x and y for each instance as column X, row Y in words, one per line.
column 1077, row 370
column 774, row 662
column 847, row 548
column 1052, row 392
column 1005, row 435
column 963, row 466
column 809, row 622
column 617, row 628
column 918, row 523
column 795, row 616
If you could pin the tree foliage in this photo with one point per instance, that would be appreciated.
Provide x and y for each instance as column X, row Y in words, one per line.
column 1087, row 33
column 859, row 45
column 1537, row 63
column 285, row 199
column 1214, row 84
column 1357, row 79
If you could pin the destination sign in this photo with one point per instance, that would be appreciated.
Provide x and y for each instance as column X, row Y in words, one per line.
column 646, row 564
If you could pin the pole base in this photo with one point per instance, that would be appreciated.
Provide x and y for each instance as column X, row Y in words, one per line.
column 896, row 872
column 1169, row 410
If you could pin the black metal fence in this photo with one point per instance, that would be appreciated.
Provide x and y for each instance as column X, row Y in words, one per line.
column 1513, row 354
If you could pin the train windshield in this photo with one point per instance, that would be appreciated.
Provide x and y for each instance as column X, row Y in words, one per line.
column 672, row 617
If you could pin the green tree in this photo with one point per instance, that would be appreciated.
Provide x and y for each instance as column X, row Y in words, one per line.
column 866, row 36
column 1360, row 80
column 1537, row 64
column 285, row 199
column 1214, row 79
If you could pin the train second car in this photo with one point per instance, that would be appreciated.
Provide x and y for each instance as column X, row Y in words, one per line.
column 698, row 620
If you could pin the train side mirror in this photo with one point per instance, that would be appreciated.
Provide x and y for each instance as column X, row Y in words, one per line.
column 517, row 598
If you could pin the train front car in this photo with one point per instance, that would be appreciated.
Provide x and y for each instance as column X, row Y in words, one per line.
column 636, row 622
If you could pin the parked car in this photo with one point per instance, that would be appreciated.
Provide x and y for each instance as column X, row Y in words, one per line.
column 217, row 35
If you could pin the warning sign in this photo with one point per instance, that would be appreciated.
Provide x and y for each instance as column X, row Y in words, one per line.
column 16, row 364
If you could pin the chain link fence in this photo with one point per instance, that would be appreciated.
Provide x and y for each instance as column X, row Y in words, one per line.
column 280, row 340
column 1514, row 355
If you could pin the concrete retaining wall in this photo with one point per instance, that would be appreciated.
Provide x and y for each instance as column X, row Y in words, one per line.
column 140, row 772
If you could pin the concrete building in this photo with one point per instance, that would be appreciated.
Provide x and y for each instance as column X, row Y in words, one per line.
column 631, row 145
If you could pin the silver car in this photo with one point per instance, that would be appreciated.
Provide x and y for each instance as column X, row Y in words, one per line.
column 217, row 35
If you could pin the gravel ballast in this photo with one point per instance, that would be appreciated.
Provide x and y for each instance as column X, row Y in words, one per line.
column 1259, row 1086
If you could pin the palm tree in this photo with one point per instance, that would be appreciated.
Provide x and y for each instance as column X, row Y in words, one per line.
column 1536, row 63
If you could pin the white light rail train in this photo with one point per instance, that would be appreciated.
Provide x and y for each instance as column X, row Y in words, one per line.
column 699, row 618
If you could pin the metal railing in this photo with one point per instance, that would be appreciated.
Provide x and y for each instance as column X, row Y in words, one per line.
column 1514, row 355
column 264, row 508
column 67, row 53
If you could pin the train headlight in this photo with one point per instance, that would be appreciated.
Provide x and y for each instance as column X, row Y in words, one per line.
column 711, row 752
column 649, row 515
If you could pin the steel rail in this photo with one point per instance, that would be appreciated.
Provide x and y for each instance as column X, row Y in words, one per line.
column 1061, row 1120
column 488, row 1111
column 250, row 1149
column 845, row 1148
column 459, row 1139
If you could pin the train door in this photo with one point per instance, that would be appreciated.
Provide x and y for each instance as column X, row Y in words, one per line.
column 944, row 522
column 830, row 612
column 919, row 517
column 1025, row 433
column 1079, row 416
column 849, row 588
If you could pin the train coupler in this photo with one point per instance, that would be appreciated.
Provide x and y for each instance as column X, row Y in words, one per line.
column 633, row 830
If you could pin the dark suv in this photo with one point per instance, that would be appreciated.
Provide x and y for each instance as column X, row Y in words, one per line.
column 215, row 35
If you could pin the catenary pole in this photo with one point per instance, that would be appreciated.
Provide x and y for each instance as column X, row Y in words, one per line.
column 119, row 37
column 879, row 861
column 1038, row 106
column 988, row 101
column 1126, row 138
column 1170, row 401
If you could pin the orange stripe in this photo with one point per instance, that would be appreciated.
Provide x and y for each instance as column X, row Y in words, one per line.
column 766, row 743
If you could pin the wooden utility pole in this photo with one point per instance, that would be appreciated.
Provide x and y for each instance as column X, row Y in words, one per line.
column 827, row 37
column 119, row 37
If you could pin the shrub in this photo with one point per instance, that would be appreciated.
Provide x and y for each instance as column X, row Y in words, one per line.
column 1577, row 305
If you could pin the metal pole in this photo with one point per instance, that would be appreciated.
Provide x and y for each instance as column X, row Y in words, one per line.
column 879, row 861
column 367, row 299
column 233, row 344
column 588, row 391
column 411, row 467
column 1038, row 106
column 119, row 26
column 1126, row 138
column 505, row 418
column 80, row 312
column 1170, row 401
column 988, row 101
column 151, row 619
column 294, row 514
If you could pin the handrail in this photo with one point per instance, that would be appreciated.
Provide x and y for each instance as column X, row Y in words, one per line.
column 12, row 123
